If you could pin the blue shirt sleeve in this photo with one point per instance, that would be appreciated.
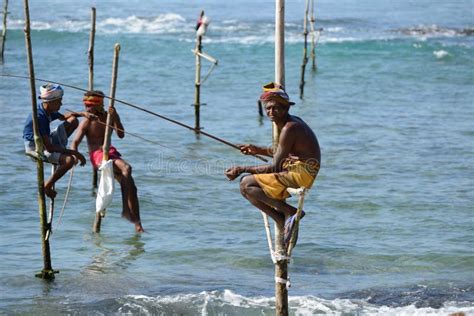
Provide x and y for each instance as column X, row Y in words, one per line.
column 55, row 116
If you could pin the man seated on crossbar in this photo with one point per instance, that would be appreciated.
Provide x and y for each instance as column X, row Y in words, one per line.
column 55, row 141
column 296, row 162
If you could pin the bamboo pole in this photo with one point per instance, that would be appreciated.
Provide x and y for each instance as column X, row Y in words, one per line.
column 91, row 50
column 4, row 31
column 313, row 38
column 47, row 272
column 108, row 128
column 197, row 82
column 305, row 49
column 281, row 267
column 91, row 75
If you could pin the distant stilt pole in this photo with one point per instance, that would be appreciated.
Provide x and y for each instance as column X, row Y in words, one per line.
column 4, row 31
column 197, row 81
column 305, row 49
column 91, row 76
column 47, row 272
column 281, row 267
column 108, row 130
column 313, row 38
column 260, row 108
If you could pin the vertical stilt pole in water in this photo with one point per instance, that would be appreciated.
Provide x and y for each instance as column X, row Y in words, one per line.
column 197, row 82
column 305, row 49
column 4, row 31
column 260, row 108
column 91, row 76
column 281, row 267
column 313, row 37
column 47, row 272
column 108, row 129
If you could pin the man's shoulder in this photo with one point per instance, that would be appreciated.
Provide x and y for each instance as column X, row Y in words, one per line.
column 294, row 123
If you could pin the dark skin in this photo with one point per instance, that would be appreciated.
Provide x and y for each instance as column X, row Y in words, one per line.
column 68, row 157
column 297, row 140
column 95, row 133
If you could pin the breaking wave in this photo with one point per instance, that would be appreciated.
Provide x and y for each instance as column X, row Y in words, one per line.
column 229, row 303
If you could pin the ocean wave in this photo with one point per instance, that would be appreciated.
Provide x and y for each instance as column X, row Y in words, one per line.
column 227, row 302
column 163, row 23
column 435, row 31
column 440, row 54
column 234, row 31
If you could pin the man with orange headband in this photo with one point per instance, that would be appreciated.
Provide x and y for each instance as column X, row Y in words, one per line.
column 95, row 133
column 295, row 164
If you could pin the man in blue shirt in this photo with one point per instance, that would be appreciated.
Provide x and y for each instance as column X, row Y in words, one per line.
column 55, row 141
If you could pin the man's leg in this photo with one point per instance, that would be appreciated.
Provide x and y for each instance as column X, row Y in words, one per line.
column 130, row 205
column 70, row 125
column 66, row 162
column 276, row 209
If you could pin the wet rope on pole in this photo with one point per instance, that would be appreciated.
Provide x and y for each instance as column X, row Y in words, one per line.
column 47, row 272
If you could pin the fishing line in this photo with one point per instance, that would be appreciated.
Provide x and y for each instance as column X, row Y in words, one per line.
column 129, row 133
column 144, row 110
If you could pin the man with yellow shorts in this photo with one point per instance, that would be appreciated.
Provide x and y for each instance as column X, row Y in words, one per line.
column 296, row 161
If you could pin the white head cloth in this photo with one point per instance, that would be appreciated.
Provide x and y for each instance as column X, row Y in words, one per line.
column 51, row 92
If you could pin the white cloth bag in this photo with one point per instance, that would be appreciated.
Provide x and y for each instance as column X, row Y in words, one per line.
column 105, row 190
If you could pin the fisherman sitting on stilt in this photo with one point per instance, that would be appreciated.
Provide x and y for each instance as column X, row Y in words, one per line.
column 295, row 164
column 54, row 142
column 95, row 133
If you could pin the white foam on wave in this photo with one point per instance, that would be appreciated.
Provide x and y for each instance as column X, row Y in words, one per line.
column 163, row 23
column 440, row 53
column 217, row 302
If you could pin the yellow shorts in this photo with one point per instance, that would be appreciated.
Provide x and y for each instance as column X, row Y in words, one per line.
column 297, row 174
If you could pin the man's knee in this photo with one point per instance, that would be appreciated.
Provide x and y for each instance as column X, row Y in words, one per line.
column 126, row 170
column 67, row 161
column 244, row 185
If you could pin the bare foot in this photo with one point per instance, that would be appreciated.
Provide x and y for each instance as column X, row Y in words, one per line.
column 139, row 228
column 50, row 192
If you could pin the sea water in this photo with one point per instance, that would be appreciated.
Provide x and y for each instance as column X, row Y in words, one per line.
column 389, row 225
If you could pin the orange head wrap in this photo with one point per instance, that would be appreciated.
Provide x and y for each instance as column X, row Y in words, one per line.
column 93, row 100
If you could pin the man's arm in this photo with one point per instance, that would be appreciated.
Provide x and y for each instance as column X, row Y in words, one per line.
column 287, row 140
column 55, row 148
column 249, row 149
column 84, row 114
column 80, row 133
column 117, row 124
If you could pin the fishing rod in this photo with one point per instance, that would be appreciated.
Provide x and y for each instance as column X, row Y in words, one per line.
column 141, row 109
column 128, row 133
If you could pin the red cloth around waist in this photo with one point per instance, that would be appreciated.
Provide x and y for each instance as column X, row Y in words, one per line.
column 97, row 155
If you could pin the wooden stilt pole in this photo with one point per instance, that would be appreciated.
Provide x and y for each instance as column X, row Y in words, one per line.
column 4, row 31
column 313, row 37
column 91, row 75
column 108, row 129
column 281, row 267
column 47, row 272
column 305, row 49
column 260, row 108
column 197, row 82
